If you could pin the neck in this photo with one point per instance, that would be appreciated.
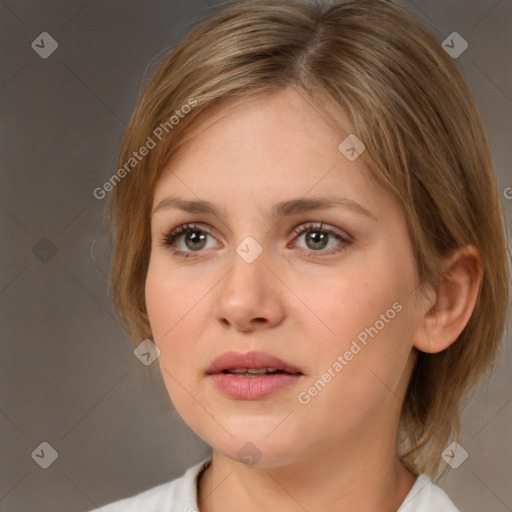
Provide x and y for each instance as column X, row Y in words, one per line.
column 337, row 480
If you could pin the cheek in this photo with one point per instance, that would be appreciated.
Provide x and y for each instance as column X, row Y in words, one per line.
column 173, row 310
column 339, row 309
column 173, row 306
column 366, row 315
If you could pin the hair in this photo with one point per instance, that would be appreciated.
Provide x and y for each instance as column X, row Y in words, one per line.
column 404, row 97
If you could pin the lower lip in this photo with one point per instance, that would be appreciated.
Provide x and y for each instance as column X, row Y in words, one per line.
column 252, row 388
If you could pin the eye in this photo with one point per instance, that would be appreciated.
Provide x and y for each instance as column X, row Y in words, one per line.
column 317, row 238
column 192, row 236
column 188, row 239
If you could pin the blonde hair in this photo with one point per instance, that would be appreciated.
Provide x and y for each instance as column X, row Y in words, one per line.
column 405, row 99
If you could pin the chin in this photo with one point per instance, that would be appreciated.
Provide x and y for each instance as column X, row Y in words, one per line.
column 253, row 433
column 253, row 446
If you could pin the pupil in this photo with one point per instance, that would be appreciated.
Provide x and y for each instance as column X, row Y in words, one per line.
column 318, row 239
column 195, row 238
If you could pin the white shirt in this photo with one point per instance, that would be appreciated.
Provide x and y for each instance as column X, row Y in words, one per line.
column 179, row 495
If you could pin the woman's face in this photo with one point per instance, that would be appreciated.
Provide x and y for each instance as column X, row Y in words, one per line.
column 334, row 304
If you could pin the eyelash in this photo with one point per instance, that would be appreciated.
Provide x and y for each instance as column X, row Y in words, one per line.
column 168, row 239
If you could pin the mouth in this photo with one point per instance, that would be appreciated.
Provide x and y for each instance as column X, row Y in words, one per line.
column 251, row 375
column 254, row 372
column 251, row 364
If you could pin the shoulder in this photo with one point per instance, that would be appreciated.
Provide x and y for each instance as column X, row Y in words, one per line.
column 179, row 492
column 425, row 496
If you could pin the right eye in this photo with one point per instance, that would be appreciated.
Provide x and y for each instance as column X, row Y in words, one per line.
column 186, row 240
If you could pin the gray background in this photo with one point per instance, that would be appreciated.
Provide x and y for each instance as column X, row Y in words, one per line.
column 67, row 373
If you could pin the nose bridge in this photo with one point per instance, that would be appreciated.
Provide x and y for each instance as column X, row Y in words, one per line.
column 246, row 294
column 248, row 267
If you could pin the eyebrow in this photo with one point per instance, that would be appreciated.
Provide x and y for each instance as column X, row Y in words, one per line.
column 278, row 210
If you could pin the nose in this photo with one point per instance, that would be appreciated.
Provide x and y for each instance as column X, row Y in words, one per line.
column 249, row 297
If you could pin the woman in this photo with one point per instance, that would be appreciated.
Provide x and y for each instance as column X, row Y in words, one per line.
column 307, row 225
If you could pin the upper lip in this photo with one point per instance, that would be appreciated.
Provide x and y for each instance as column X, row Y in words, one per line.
column 233, row 360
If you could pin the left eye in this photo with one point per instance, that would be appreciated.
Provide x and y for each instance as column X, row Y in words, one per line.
column 195, row 239
column 317, row 237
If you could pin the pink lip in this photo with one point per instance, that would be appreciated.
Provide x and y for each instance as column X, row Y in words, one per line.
column 251, row 388
column 232, row 360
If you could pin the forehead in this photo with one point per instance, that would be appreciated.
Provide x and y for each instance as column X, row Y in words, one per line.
column 266, row 149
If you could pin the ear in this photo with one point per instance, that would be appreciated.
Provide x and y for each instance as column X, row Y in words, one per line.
column 451, row 304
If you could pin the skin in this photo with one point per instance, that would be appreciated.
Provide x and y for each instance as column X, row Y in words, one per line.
column 298, row 305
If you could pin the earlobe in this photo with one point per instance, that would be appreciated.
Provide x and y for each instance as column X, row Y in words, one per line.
column 454, row 301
